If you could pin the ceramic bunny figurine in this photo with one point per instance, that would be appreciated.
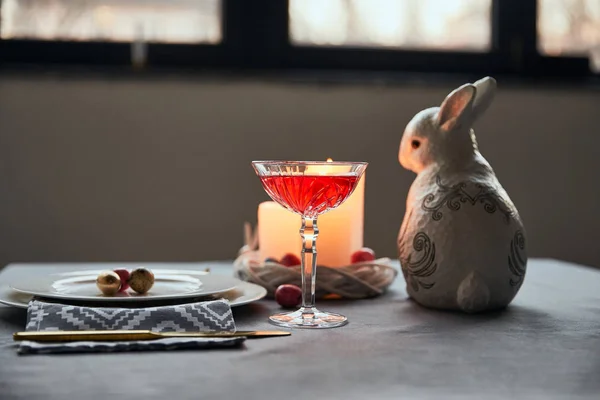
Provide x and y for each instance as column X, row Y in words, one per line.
column 462, row 242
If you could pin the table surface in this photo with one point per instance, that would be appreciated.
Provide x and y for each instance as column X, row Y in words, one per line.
column 545, row 345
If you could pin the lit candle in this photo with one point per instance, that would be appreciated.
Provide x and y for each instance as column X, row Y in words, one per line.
column 340, row 230
column 278, row 231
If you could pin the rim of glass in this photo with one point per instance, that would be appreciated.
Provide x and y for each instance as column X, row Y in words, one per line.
column 273, row 162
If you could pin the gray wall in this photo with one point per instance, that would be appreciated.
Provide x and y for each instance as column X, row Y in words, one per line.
column 159, row 170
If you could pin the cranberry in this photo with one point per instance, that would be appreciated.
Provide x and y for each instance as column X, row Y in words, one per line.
column 288, row 295
column 364, row 254
column 290, row 260
column 124, row 275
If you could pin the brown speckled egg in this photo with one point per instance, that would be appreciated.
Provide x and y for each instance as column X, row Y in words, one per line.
column 141, row 280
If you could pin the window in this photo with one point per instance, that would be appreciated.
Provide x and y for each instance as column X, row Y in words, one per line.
column 415, row 24
column 521, row 37
column 570, row 27
column 173, row 21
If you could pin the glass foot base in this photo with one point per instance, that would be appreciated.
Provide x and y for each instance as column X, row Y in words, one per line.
column 309, row 318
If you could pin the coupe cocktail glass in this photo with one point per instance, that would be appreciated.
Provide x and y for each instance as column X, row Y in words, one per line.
column 309, row 189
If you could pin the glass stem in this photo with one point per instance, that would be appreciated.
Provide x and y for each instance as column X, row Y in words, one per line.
column 309, row 232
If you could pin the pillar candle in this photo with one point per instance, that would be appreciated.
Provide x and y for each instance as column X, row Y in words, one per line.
column 340, row 230
column 278, row 231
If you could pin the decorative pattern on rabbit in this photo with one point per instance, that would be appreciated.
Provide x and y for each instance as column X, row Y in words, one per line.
column 462, row 242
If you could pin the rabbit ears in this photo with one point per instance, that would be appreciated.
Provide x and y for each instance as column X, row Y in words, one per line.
column 465, row 104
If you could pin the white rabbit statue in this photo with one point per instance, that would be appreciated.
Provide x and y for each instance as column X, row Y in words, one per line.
column 462, row 243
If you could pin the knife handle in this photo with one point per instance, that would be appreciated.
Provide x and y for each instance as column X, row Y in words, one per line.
column 106, row 336
column 73, row 336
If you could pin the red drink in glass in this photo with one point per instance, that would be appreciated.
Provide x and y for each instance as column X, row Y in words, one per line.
column 309, row 188
column 309, row 195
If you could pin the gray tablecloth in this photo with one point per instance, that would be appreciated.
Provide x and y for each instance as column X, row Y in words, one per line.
column 546, row 345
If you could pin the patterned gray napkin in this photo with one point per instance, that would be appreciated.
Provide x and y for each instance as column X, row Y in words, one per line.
column 203, row 316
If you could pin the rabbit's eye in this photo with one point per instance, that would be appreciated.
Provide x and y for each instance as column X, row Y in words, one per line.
column 415, row 144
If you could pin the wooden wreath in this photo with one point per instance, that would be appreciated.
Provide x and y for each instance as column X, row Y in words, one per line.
column 355, row 281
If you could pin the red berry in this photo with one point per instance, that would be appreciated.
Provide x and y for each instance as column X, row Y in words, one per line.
column 288, row 295
column 124, row 275
column 364, row 254
column 290, row 260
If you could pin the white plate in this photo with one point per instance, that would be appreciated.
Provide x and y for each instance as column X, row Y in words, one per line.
column 244, row 293
column 81, row 286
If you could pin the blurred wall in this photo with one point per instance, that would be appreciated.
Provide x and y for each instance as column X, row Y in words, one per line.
column 159, row 170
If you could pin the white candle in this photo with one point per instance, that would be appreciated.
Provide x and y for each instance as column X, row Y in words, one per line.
column 278, row 231
column 340, row 230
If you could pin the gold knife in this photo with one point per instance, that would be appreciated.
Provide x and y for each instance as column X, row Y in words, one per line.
column 73, row 336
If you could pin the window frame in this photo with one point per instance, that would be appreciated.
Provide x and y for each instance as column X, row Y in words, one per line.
column 256, row 37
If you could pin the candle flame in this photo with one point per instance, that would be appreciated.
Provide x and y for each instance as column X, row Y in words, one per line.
column 329, row 160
